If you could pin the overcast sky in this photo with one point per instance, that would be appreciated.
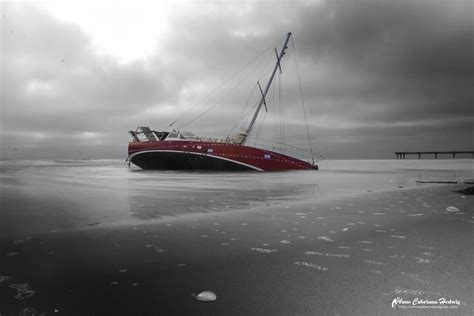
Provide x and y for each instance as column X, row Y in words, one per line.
column 377, row 76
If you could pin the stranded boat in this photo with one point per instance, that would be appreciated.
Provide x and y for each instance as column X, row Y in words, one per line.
column 178, row 150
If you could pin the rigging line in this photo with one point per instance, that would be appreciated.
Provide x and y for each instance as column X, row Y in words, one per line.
column 275, row 121
column 282, row 111
column 302, row 101
column 217, row 102
column 260, row 54
column 241, row 115
column 260, row 127
column 276, row 105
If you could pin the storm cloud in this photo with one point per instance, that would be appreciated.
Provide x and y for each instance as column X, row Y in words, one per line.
column 377, row 76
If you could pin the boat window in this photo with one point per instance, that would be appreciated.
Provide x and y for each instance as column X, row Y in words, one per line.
column 173, row 135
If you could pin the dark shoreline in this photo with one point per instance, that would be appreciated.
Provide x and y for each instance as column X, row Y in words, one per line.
column 381, row 248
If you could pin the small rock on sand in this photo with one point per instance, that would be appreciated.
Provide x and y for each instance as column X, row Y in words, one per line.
column 206, row 296
column 452, row 209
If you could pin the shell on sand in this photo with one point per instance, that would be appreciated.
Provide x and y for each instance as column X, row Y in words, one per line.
column 452, row 209
column 206, row 296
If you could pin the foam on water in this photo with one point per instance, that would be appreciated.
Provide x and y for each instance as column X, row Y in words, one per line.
column 311, row 265
column 373, row 262
column 24, row 290
column 263, row 250
column 325, row 238
column 340, row 255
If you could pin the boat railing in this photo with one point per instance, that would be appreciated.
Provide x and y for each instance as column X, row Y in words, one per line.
column 286, row 149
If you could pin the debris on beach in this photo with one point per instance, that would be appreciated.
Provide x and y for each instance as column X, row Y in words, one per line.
column 206, row 296
column 24, row 290
column 452, row 209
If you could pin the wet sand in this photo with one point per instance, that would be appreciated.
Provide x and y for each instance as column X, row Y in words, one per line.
column 347, row 256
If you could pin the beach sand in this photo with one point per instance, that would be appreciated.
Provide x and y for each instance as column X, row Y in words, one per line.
column 345, row 256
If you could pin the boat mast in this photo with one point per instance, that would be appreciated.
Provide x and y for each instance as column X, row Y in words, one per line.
column 264, row 93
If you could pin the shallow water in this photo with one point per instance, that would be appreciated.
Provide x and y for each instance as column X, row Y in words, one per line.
column 42, row 196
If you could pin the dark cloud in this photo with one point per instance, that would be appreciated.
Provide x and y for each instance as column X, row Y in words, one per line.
column 378, row 76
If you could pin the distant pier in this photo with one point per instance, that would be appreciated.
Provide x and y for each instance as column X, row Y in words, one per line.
column 402, row 154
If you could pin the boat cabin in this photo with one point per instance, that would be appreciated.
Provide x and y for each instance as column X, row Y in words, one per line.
column 145, row 134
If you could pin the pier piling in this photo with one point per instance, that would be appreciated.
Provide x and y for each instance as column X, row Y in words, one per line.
column 403, row 154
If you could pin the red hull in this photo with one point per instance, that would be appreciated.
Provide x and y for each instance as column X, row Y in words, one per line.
column 200, row 155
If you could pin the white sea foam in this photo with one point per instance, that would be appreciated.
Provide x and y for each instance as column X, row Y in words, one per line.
column 422, row 260
column 373, row 262
column 398, row 236
column 325, row 238
column 311, row 265
column 263, row 250
column 340, row 255
column 24, row 290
